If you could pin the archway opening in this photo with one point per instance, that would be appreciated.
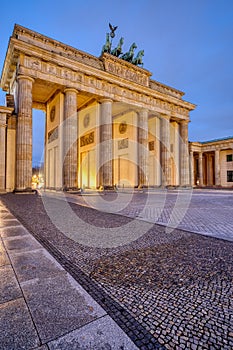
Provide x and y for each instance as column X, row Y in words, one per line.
column 38, row 142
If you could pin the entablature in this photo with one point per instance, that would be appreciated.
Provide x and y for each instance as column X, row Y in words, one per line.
column 30, row 53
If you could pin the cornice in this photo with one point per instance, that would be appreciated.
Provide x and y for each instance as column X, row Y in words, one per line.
column 6, row 110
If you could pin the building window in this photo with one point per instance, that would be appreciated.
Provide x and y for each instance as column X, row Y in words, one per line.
column 230, row 176
column 229, row 157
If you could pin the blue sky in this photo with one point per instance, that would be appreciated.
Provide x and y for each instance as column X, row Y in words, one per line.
column 188, row 45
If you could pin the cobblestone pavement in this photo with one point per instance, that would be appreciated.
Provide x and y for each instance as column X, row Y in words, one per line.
column 171, row 286
column 209, row 212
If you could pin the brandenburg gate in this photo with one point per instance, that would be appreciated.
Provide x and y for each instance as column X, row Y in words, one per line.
column 107, row 122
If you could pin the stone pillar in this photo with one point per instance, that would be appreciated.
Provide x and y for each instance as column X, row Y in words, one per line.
column 143, row 153
column 24, row 134
column 210, row 172
column 106, row 156
column 11, row 153
column 200, row 170
column 2, row 150
column 184, row 154
column 191, row 160
column 165, row 150
column 217, row 167
column 70, row 139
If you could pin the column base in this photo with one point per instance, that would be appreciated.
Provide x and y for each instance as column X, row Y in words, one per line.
column 109, row 188
column 25, row 191
column 72, row 189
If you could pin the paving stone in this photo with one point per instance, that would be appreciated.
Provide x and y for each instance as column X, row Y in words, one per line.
column 96, row 335
column 9, row 287
column 17, row 331
column 58, row 305
column 20, row 244
column 6, row 215
column 7, row 223
column 36, row 263
column 3, row 256
column 13, row 231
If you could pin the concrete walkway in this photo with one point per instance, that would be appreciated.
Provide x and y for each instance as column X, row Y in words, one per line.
column 41, row 306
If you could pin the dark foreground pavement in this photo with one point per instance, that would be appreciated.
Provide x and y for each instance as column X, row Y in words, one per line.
column 171, row 291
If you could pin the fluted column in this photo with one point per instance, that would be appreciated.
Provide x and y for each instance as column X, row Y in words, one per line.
column 70, row 139
column 184, row 154
column 106, row 157
column 2, row 150
column 143, row 154
column 217, row 167
column 165, row 150
column 10, row 153
column 24, row 134
column 200, row 166
column 191, row 160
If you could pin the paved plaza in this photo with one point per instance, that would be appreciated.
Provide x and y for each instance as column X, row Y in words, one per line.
column 81, row 278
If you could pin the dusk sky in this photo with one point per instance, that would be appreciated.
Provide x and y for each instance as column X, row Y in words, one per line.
column 188, row 45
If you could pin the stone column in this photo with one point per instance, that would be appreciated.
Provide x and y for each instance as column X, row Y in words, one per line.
column 106, row 156
column 200, row 166
column 24, row 134
column 191, row 160
column 143, row 153
column 2, row 150
column 217, row 167
column 184, row 154
column 165, row 150
column 70, row 139
column 210, row 172
column 10, row 153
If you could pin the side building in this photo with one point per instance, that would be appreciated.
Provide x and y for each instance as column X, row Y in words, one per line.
column 107, row 122
column 212, row 163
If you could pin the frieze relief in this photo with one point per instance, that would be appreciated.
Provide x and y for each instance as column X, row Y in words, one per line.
column 33, row 63
column 101, row 85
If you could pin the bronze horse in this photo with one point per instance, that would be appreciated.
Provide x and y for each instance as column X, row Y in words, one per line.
column 107, row 45
column 128, row 56
column 138, row 59
column 118, row 50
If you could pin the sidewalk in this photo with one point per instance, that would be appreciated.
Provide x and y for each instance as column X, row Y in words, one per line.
column 41, row 306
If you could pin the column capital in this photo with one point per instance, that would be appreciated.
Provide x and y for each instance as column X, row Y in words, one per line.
column 165, row 116
column 25, row 77
column 105, row 100
column 6, row 110
column 70, row 89
column 184, row 122
column 140, row 110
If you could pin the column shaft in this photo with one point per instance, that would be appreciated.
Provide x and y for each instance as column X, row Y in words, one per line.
column 70, row 138
column 191, row 158
column 143, row 153
column 2, row 152
column 184, row 155
column 10, row 154
column 24, row 134
column 200, row 166
column 217, row 168
column 165, row 150
column 106, row 157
